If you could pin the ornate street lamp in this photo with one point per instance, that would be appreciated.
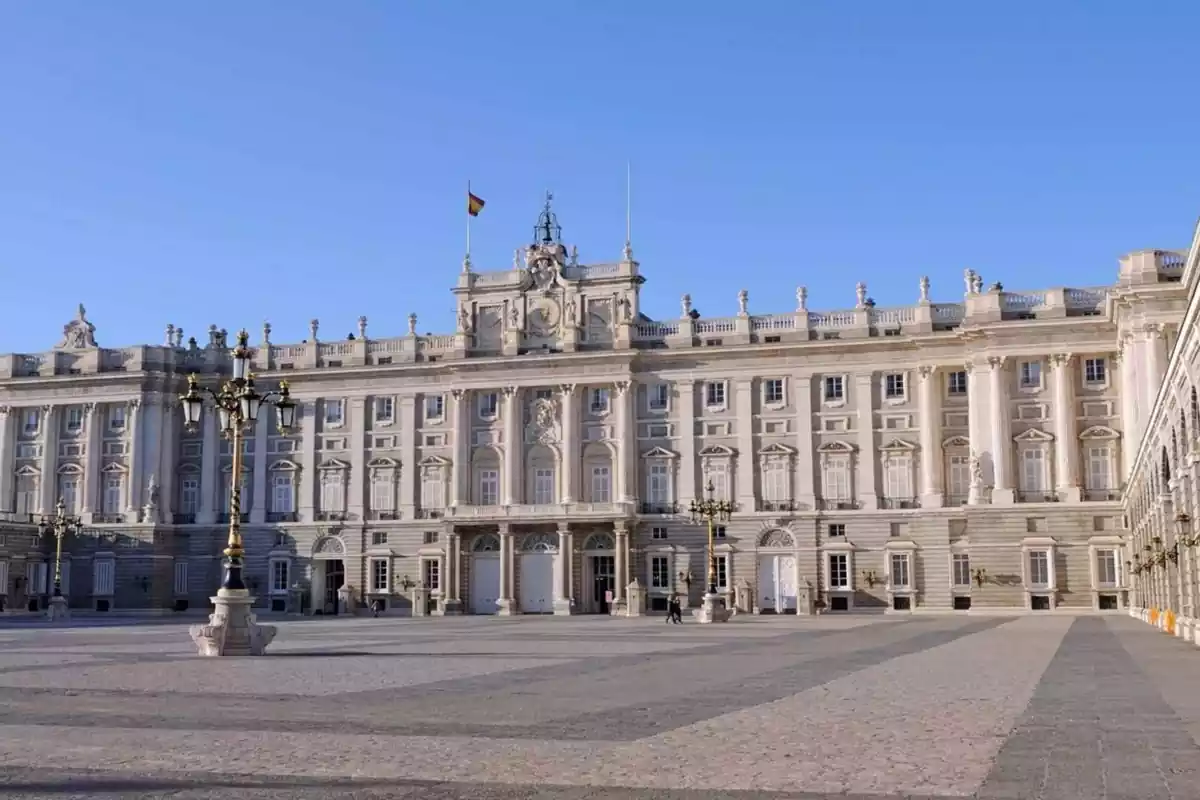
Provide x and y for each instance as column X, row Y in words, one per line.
column 710, row 510
column 59, row 525
column 237, row 406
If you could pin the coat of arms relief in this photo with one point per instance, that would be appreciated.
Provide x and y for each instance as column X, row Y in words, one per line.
column 543, row 427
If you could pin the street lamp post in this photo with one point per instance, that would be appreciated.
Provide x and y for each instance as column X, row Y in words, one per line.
column 231, row 629
column 59, row 525
column 711, row 510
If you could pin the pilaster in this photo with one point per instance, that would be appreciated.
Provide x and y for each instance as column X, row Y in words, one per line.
column 1130, row 435
column 977, row 423
column 562, row 569
column 687, row 441
column 1002, row 490
column 308, row 461
column 357, row 407
column 137, row 462
column 747, row 458
column 1066, row 444
column 7, row 462
column 168, row 458
column 460, row 470
column 259, row 496
column 625, row 442
column 511, row 485
column 867, row 483
column 621, row 564
column 210, row 478
column 932, row 495
column 570, row 443
column 49, row 486
column 93, row 430
column 805, row 489
column 409, row 474
column 505, row 602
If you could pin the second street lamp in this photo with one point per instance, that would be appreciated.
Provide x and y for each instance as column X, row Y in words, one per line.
column 710, row 510
column 237, row 405
column 59, row 525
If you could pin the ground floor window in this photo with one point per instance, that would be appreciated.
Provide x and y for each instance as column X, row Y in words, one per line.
column 839, row 571
column 431, row 574
column 379, row 575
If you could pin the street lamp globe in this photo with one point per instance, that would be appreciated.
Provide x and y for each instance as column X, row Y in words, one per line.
column 251, row 401
column 192, row 402
column 241, row 356
column 285, row 408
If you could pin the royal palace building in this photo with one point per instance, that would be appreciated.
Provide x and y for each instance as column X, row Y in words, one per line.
column 543, row 457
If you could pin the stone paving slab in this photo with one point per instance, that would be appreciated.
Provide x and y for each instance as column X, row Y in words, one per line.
column 869, row 707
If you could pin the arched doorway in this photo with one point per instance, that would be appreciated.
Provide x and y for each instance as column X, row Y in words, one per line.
column 485, row 574
column 599, row 572
column 328, row 573
column 536, row 589
column 778, row 576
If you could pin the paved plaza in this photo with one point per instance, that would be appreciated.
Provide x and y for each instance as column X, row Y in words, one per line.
column 1101, row 708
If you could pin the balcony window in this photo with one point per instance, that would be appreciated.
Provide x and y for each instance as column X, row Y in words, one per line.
column 1099, row 468
column 658, row 484
column 31, row 421
column 116, row 418
column 489, row 487
column 898, row 474
column 385, row 410
column 601, row 485
column 835, row 478
column 74, row 421
column 283, row 493
column 1033, row 470
column 717, row 473
column 189, row 495
column 111, row 503
column 543, row 487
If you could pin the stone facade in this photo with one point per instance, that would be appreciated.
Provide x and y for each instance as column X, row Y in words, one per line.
column 1162, row 504
column 926, row 457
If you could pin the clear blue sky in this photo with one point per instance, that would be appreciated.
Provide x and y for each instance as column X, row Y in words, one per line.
column 313, row 155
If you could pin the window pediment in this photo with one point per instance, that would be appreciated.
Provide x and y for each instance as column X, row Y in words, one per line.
column 333, row 463
column 1034, row 436
column 777, row 449
column 282, row 465
column 434, row 461
column 898, row 446
column 189, row 468
column 27, row 470
column 228, row 467
column 717, row 451
column 115, row 466
column 837, row 446
column 956, row 441
column 383, row 462
column 659, row 452
column 70, row 469
column 1099, row 432
column 1036, row 542
column 903, row 545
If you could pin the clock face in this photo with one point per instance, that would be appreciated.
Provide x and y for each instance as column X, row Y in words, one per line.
column 544, row 318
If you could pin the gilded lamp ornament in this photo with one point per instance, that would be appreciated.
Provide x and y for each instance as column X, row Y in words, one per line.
column 710, row 510
column 59, row 526
column 237, row 405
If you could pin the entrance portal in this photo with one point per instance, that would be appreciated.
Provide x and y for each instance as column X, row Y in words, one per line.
column 335, row 577
column 604, row 573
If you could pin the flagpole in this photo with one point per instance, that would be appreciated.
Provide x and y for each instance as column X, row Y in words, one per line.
column 468, row 220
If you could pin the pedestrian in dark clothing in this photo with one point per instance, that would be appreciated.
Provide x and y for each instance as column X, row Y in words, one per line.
column 674, row 610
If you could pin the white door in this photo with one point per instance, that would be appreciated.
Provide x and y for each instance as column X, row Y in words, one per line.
column 767, row 584
column 537, row 583
column 786, row 596
column 485, row 584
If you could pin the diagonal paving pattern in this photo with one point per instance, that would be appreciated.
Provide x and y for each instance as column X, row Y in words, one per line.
column 867, row 707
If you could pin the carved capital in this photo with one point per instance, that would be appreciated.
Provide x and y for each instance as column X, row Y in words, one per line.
column 1061, row 360
column 622, row 387
column 926, row 372
column 997, row 362
column 620, row 529
column 135, row 403
column 510, row 391
column 968, row 368
column 46, row 409
column 458, row 394
column 4, row 410
column 1154, row 329
column 566, row 388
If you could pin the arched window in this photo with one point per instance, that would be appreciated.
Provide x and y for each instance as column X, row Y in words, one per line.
column 1166, row 467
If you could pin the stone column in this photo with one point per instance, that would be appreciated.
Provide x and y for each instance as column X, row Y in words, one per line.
column 805, row 488
column 1155, row 350
column 932, row 495
column 744, row 489
column 409, row 474
column 1128, row 389
column 685, row 490
column 210, row 477
column 7, row 462
column 1066, row 445
column 168, row 459
column 562, row 571
column 570, row 566
column 49, row 486
column 308, row 465
column 511, row 487
column 505, row 602
column 460, row 470
column 626, row 444
column 867, row 488
column 92, row 462
column 570, row 443
column 1002, row 491
column 977, row 420
column 137, row 443
column 620, row 563
column 258, row 497
column 454, row 571
column 355, row 505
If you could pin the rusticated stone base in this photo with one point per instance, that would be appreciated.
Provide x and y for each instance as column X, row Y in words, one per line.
column 232, row 630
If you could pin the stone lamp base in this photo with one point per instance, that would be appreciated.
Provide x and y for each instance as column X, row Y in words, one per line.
column 57, row 609
column 232, row 629
column 712, row 609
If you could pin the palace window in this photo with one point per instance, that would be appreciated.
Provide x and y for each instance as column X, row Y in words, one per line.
column 658, row 484
column 835, row 388
column 116, row 418
column 898, row 469
column 189, row 495
column 333, row 491
column 74, row 422
column 598, row 400
column 385, row 410
column 714, row 394
column 660, row 572
column 835, row 478
column 435, row 407
column 335, row 413
column 1095, row 371
column 1106, row 568
column 776, row 481
column 958, row 475
column 280, row 575
column 68, row 491
column 960, row 571
column 111, row 503
column 956, row 383
column 717, row 472
column 543, row 487
column 839, row 571
column 383, row 489
column 379, row 575
column 489, row 487
column 1099, row 468
column 658, row 397
column 658, row 532
column 894, row 386
column 181, row 577
column 489, row 405
column 1039, row 569
column 773, row 392
column 722, row 564
column 431, row 574
column 1033, row 470
column 901, row 572
column 283, row 493
column 1031, row 375
column 433, row 488
column 30, row 421
column 601, row 485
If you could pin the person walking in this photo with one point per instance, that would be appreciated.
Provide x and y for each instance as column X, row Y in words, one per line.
column 674, row 610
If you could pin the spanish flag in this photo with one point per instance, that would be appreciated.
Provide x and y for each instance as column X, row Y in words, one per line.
column 474, row 204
